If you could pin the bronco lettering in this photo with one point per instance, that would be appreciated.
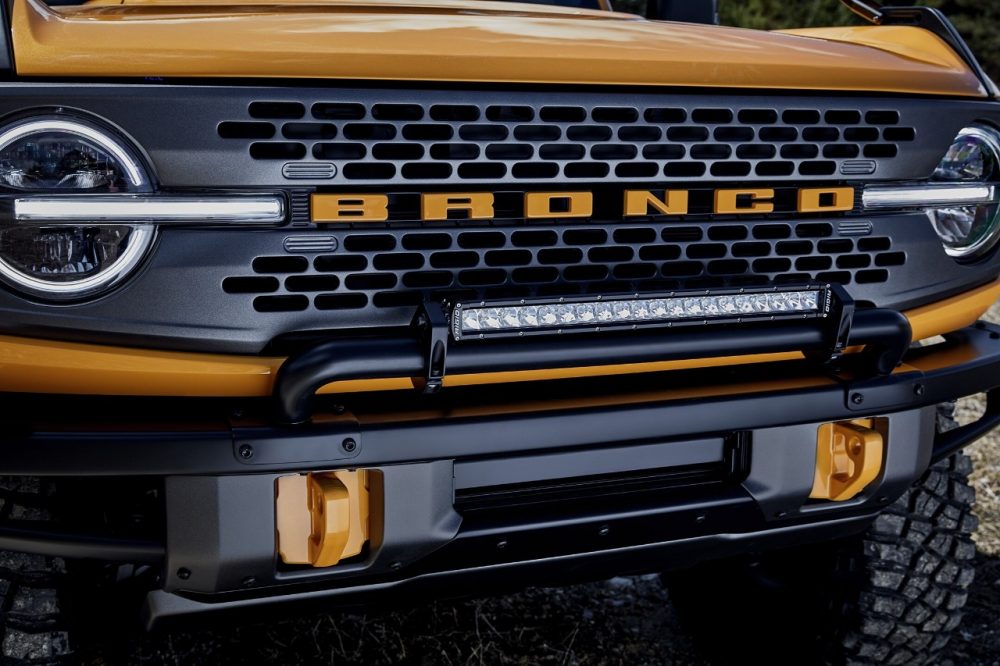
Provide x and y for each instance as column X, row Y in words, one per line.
column 579, row 204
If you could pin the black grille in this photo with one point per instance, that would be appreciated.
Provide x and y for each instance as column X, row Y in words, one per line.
column 423, row 140
column 398, row 268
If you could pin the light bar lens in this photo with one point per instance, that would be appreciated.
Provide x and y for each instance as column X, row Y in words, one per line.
column 596, row 314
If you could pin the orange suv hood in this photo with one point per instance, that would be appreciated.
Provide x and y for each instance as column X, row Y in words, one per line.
column 468, row 41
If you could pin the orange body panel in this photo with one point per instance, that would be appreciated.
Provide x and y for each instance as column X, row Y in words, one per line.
column 954, row 313
column 41, row 366
column 468, row 41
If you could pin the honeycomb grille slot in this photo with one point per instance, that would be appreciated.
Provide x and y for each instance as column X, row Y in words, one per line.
column 387, row 268
column 483, row 142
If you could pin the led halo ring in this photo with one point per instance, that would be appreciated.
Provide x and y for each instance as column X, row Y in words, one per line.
column 140, row 239
column 988, row 136
column 136, row 173
column 990, row 140
column 143, row 235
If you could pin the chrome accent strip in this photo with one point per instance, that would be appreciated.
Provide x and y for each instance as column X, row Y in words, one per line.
column 930, row 195
column 156, row 209
column 296, row 244
column 862, row 228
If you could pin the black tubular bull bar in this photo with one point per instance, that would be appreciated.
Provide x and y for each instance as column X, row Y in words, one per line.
column 427, row 353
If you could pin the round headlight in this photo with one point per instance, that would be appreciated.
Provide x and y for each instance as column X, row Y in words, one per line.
column 966, row 231
column 969, row 231
column 64, row 262
column 972, row 156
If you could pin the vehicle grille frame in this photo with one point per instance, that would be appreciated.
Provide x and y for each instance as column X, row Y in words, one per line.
column 490, row 138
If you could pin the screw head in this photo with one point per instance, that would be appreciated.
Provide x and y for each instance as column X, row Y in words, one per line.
column 246, row 451
column 604, row 531
column 349, row 445
column 857, row 398
column 396, row 566
column 918, row 390
column 249, row 581
column 502, row 544
column 183, row 573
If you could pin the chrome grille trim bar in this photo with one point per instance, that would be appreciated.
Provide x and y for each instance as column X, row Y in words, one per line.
column 154, row 209
column 930, row 195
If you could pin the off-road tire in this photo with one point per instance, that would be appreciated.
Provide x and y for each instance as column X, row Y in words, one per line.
column 917, row 568
column 893, row 595
column 33, row 621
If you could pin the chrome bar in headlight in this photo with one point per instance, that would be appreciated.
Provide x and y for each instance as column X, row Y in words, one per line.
column 156, row 209
column 598, row 313
column 930, row 195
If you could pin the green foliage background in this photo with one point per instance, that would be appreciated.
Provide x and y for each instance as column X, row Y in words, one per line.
column 977, row 20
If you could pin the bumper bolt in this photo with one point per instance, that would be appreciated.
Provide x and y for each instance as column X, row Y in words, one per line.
column 918, row 390
column 604, row 531
column 249, row 581
column 857, row 398
column 183, row 573
column 502, row 544
column 349, row 445
column 396, row 566
column 246, row 451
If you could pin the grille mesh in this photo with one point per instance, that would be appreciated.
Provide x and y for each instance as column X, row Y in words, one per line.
column 446, row 142
column 399, row 268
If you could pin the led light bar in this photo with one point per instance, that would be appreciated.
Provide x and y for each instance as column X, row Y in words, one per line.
column 162, row 209
column 928, row 196
column 524, row 317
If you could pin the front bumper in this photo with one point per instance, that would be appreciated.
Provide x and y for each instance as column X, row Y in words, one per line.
column 434, row 453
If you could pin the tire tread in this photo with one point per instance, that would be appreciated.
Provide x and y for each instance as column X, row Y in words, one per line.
column 33, row 626
column 916, row 570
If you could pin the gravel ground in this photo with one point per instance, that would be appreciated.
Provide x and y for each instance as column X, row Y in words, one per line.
column 621, row 621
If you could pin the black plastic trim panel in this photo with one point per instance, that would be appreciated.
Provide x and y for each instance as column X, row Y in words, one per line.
column 6, row 49
column 49, row 447
column 165, row 610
